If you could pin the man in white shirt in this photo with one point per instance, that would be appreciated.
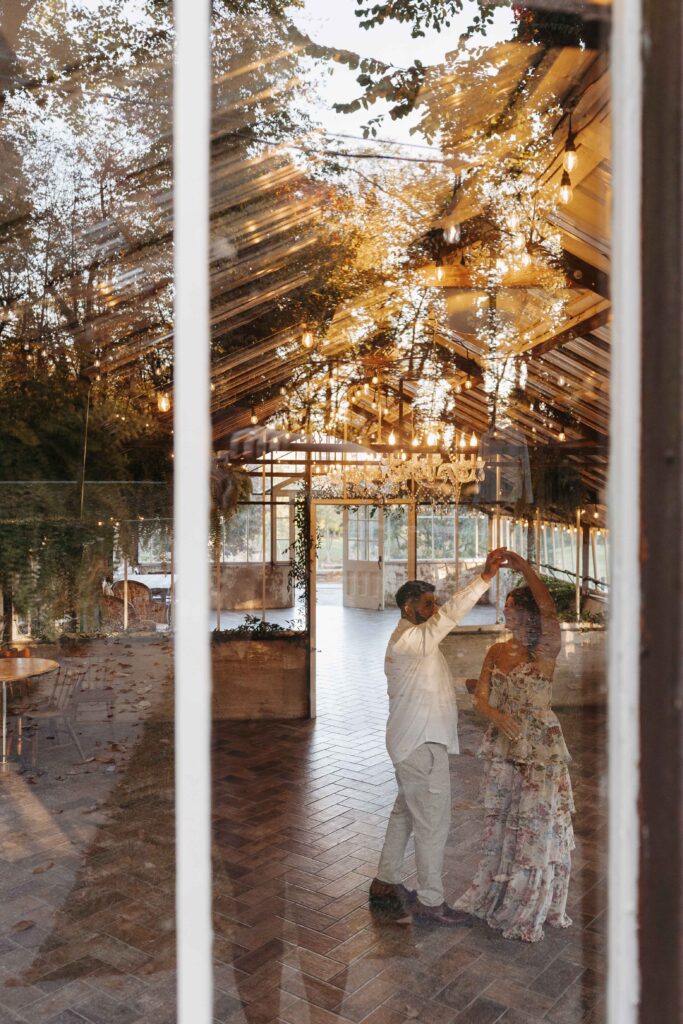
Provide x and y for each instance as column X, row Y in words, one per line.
column 422, row 731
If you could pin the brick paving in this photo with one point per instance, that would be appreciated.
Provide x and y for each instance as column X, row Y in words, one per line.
column 86, row 924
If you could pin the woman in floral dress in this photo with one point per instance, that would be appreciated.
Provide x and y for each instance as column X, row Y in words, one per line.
column 523, row 874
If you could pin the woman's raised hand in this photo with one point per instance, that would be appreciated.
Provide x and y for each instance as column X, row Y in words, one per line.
column 515, row 561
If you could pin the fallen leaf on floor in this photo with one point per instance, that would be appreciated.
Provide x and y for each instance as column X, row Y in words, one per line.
column 42, row 868
column 22, row 926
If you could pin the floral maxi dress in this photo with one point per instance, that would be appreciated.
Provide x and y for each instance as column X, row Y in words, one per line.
column 523, row 875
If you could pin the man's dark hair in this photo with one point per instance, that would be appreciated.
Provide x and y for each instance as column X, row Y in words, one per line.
column 412, row 590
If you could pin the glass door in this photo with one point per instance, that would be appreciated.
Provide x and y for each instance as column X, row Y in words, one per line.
column 363, row 569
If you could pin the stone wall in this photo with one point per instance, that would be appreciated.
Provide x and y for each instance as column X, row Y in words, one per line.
column 241, row 585
column 580, row 673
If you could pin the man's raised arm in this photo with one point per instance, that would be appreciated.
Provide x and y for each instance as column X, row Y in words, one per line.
column 425, row 637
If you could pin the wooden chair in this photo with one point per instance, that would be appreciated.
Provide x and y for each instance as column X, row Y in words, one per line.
column 57, row 709
column 96, row 688
column 147, row 610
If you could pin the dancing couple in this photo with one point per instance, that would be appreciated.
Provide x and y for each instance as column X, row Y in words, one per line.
column 523, row 875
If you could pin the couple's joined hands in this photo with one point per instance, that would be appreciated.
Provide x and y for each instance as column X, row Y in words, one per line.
column 501, row 558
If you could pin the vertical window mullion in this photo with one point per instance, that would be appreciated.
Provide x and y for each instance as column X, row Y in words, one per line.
column 192, row 441
column 623, row 980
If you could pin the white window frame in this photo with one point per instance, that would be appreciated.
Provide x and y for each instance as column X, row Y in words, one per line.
column 623, row 976
column 192, row 448
column 192, row 662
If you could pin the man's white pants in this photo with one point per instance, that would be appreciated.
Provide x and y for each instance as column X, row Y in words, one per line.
column 423, row 807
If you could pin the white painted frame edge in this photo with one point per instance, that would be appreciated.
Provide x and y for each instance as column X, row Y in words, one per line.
column 623, row 983
column 191, row 194
column 192, row 445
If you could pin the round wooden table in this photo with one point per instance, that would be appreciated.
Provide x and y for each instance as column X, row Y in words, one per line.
column 17, row 670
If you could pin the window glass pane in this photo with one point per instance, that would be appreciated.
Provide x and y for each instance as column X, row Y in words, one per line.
column 396, row 533
column 87, row 549
column 425, row 547
column 444, row 537
column 283, row 528
column 154, row 547
column 373, row 537
column 405, row 308
column 235, row 535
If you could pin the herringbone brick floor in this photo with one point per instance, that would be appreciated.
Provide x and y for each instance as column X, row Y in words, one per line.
column 87, row 868
column 300, row 812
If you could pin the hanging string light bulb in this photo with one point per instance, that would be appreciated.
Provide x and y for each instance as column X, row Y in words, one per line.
column 253, row 417
column 570, row 158
column 307, row 339
column 163, row 401
column 566, row 190
column 392, row 438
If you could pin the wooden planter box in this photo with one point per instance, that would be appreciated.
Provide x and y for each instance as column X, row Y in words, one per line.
column 260, row 679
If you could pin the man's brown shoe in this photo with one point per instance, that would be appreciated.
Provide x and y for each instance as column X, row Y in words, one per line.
column 443, row 916
column 387, row 896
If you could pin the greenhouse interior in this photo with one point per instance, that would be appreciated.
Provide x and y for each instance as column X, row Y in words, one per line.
column 410, row 312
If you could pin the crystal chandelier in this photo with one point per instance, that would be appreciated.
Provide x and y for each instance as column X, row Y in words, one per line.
column 429, row 475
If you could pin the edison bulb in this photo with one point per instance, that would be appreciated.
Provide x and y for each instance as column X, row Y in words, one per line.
column 392, row 438
column 570, row 158
column 432, row 438
column 566, row 191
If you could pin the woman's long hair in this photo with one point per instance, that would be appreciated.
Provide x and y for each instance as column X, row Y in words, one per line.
column 523, row 599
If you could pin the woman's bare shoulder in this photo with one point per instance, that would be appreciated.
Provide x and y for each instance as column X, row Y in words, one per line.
column 495, row 651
